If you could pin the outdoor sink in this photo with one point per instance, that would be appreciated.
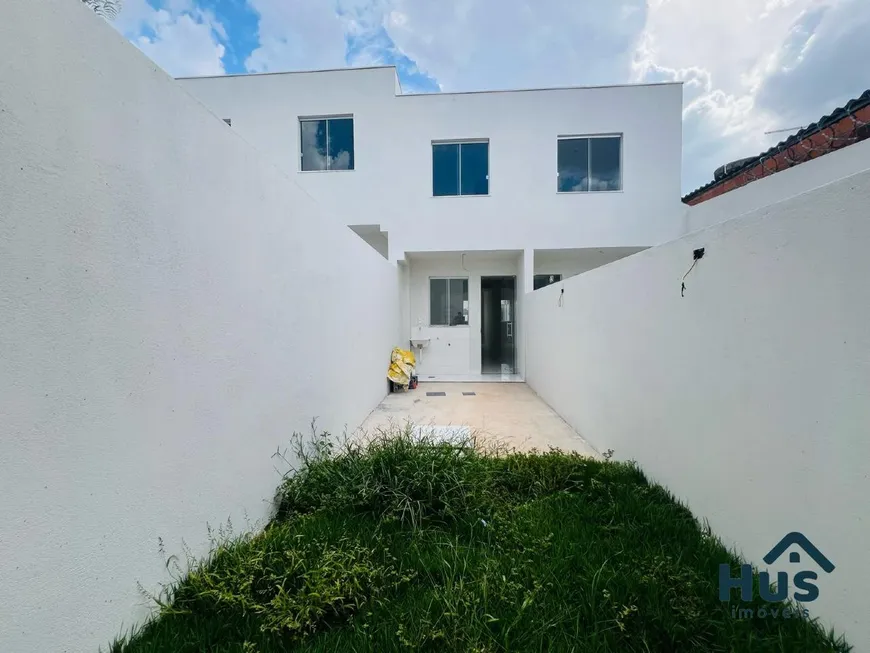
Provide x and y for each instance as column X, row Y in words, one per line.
column 420, row 342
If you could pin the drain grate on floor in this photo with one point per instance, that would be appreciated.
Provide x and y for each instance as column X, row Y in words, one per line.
column 469, row 394
column 436, row 394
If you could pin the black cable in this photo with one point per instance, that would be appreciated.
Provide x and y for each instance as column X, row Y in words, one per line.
column 683, row 280
column 690, row 269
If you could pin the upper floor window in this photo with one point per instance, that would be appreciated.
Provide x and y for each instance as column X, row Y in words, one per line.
column 460, row 168
column 326, row 143
column 589, row 164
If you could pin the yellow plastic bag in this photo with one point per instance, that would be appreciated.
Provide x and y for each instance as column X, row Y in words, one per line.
column 407, row 356
column 402, row 363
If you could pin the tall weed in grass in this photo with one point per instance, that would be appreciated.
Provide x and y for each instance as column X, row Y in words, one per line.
column 404, row 543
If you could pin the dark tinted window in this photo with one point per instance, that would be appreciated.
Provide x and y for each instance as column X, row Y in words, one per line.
column 339, row 133
column 589, row 164
column 458, row 299
column 445, row 169
column 327, row 144
column 542, row 280
column 474, row 168
column 604, row 154
column 460, row 169
column 573, row 158
column 313, row 140
column 438, row 304
column 448, row 302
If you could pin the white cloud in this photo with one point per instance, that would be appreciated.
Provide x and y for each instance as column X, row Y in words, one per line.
column 720, row 51
column 297, row 35
column 180, row 37
column 823, row 63
column 487, row 44
column 752, row 68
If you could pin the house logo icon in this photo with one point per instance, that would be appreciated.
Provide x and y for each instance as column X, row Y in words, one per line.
column 802, row 579
column 803, row 542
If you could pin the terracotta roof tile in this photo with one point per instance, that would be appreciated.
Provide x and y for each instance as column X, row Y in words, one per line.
column 823, row 123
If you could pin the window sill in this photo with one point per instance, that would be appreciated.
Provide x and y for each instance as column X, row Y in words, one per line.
column 448, row 326
column 438, row 197
column 590, row 192
column 316, row 171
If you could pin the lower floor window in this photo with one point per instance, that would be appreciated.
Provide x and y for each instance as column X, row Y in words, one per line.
column 542, row 280
column 448, row 302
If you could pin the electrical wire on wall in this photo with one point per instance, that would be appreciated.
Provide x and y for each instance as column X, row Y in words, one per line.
column 697, row 255
column 561, row 297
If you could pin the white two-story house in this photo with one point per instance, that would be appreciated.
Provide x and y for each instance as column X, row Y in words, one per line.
column 478, row 197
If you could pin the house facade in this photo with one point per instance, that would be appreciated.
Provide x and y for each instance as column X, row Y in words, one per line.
column 478, row 197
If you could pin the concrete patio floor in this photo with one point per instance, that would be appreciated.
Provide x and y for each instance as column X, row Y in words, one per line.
column 509, row 413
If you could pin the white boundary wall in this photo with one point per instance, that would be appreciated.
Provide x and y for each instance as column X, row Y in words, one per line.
column 171, row 309
column 750, row 396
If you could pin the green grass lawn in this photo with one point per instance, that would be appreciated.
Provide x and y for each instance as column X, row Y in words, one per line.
column 403, row 546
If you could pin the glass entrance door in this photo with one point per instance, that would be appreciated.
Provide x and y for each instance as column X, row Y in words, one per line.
column 498, row 325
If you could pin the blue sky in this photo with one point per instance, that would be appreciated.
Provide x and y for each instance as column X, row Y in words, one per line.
column 749, row 66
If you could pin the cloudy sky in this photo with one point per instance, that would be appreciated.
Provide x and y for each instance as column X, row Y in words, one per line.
column 749, row 66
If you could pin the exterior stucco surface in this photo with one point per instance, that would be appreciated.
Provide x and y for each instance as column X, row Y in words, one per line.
column 172, row 308
column 391, row 184
column 750, row 396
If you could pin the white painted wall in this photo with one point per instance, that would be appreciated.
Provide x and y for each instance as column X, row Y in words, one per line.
column 749, row 397
column 454, row 350
column 172, row 307
column 525, row 278
column 780, row 186
column 404, row 304
column 392, row 182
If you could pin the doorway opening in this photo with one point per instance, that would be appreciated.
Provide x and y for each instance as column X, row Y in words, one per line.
column 498, row 325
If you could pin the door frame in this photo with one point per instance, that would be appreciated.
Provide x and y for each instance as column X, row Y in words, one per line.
column 513, row 322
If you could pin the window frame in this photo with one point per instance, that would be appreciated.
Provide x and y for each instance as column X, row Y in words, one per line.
column 327, row 119
column 590, row 137
column 460, row 142
column 468, row 299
